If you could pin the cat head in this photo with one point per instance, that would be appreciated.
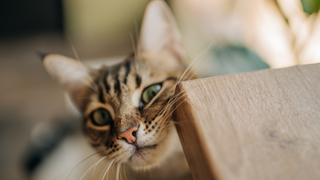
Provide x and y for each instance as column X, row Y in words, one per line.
column 126, row 107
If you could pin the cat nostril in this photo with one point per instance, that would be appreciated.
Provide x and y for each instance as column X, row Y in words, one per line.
column 129, row 135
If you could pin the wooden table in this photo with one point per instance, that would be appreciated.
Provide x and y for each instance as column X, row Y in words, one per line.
column 252, row 126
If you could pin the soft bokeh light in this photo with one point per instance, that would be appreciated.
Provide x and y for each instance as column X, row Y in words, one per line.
column 279, row 31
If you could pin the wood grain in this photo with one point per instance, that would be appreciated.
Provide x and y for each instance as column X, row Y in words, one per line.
column 257, row 125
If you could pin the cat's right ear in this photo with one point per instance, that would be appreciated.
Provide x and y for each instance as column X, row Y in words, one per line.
column 71, row 74
column 159, row 31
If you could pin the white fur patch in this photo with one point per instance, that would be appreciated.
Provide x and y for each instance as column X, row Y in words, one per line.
column 136, row 97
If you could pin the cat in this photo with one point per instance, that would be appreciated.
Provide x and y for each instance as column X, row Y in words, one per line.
column 127, row 108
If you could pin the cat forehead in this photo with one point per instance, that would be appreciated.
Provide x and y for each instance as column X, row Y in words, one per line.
column 144, row 69
column 128, row 76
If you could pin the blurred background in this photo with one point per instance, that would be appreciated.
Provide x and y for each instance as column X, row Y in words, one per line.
column 40, row 134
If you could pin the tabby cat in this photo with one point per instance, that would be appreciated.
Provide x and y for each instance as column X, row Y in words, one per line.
column 127, row 108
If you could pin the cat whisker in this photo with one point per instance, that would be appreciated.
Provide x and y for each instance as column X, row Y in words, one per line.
column 133, row 45
column 167, row 115
column 124, row 172
column 118, row 171
column 171, row 101
column 177, row 96
column 137, row 36
column 62, row 174
column 176, row 123
column 193, row 70
column 166, row 126
column 169, row 125
column 174, row 101
column 83, row 161
column 162, row 111
column 174, row 96
column 199, row 69
column 91, row 84
column 73, row 48
column 174, row 109
column 177, row 80
column 196, row 59
column 94, row 165
column 169, row 112
column 108, row 168
column 190, row 71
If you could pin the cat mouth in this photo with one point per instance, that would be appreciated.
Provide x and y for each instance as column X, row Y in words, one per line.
column 146, row 147
column 141, row 151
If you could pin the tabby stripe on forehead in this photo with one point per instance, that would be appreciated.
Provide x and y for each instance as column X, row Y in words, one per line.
column 117, row 84
column 101, row 95
column 105, row 82
column 127, row 65
column 138, row 80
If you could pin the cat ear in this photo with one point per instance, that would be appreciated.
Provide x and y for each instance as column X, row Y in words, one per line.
column 159, row 31
column 74, row 76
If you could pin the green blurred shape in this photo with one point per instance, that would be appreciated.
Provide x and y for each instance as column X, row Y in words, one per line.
column 235, row 59
column 310, row 6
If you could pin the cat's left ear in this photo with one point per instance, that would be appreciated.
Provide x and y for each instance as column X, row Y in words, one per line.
column 75, row 77
column 159, row 31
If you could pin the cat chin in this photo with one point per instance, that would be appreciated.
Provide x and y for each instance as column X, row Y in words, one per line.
column 145, row 158
column 156, row 156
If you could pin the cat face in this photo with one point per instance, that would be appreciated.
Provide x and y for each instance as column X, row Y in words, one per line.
column 127, row 107
column 136, row 94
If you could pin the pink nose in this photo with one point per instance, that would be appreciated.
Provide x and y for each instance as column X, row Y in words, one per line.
column 129, row 135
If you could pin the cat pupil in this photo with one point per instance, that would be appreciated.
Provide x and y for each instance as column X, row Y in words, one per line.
column 153, row 93
column 103, row 115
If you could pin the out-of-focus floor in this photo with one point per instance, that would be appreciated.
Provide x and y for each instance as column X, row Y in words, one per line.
column 28, row 95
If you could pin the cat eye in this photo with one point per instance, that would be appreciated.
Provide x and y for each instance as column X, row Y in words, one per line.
column 101, row 117
column 150, row 92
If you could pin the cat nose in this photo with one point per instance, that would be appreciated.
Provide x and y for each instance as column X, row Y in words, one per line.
column 129, row 135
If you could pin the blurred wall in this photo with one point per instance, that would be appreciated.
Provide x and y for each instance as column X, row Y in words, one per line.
column 102, row 18
column 103, row 24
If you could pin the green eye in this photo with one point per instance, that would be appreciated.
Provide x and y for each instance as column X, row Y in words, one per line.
column 101, row 117
column 150, row 92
